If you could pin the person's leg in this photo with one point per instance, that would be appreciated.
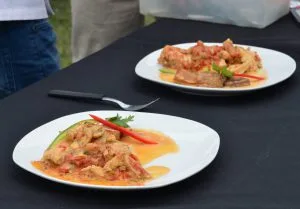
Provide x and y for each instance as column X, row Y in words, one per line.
column 27, row 54
column 98, row 23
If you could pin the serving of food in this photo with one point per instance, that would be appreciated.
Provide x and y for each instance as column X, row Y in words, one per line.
column 215, row 69
column 214, row 66
column 106, row 152
column 120, row 150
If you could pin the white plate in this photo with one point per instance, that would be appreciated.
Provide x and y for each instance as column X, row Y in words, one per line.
column 195, row 141
column 279, row 67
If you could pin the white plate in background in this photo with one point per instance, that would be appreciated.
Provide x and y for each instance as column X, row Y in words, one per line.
column 279, row 67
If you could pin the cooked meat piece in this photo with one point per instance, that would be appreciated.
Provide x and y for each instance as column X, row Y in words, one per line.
column 55, row 155
column 203, row 56
column 200, row 57
column 87, row 136
column 134, row 166
column 115, row 148
column 248, row 62
column 237, row 82
column 65, row 167
column 90, row 131
column 207, row 79
column 111, row 135
column 94, row 171
column 104, row 151
column 224, row 55
column 200, row 51
column 185, row 76
column 97, row 131
column 124, row 166
column 232, row 50
column 111, row 150
column 74, row 133
column 210, row 79
column 80, row 160
column 117, row 161
column 92, row 150
column 84, row 133
column 81, row 137
column 175, row 58
column 75, row 145
column 121, row 167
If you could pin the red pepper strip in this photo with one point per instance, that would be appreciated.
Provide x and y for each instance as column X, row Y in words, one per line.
column 122, row 130
column 248, row 76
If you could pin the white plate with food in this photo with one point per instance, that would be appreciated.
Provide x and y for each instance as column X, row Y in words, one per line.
column 117, row 150
column 216, row 68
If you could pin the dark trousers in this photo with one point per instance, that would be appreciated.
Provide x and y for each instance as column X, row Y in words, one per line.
column 27, row 54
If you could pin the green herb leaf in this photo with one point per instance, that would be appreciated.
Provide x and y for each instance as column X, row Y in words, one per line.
column 226, row 72
column 166, row 70
column 222, row 70
column 123, row 122
column 216, row 68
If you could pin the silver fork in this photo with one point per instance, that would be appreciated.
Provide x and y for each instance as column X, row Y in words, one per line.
column 94, row 96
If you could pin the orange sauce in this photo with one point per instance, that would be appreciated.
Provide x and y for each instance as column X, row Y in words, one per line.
column 167, row 77
column 262, row 73
column 145, row 152
column 148, row 152
column 74, row 177
column 157, row 171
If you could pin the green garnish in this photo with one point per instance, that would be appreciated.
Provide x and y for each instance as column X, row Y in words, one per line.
column 222, row 70
column 205, row 69
column 62, row 134
column 166, row 70
column 260, row 72
column 118, row 120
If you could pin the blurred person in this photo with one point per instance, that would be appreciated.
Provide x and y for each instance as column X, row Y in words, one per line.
column 97, row 23
column 27, row 44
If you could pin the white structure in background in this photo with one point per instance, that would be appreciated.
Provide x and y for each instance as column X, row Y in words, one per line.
column 248, row 13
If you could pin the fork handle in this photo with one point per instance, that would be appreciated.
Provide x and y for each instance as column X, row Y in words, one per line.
column 75, row 95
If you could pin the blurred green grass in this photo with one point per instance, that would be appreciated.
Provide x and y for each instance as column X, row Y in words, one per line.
column 61, row 23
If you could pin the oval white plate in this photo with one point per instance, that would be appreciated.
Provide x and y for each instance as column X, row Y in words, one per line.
column 279, row 67
column 195, row 141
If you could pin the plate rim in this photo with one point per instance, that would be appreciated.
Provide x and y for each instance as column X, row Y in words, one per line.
column 193, row 169
column 208, row 89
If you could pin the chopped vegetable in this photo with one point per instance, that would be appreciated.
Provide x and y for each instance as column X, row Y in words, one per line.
column 260, row 72
column 222, row 70
column 122, row 130
column 166, row 70
column 205, row 69
column 118, row 120
column 62, row 134
column 249, row 76
column 226, row 73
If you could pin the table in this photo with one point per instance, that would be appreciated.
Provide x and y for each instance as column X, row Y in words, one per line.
column 258, row 165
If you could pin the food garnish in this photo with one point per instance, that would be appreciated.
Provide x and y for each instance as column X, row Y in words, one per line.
column 222, row 70
column 123, row 122
column 249, row 76
column 123, row 130
column 166, row 70
column 62, row 134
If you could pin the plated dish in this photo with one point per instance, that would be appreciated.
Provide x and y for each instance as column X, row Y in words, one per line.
column 104, row 153
column 214, row 66
column 216, row 69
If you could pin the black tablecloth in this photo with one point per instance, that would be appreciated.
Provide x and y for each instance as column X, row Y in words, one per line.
column 258, row 165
